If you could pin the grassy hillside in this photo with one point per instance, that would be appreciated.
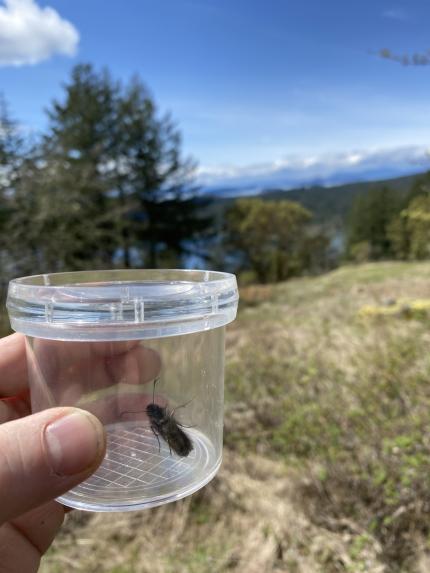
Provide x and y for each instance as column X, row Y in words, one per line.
column 327, row 455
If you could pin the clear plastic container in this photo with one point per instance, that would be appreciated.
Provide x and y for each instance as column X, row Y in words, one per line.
column 144, row 351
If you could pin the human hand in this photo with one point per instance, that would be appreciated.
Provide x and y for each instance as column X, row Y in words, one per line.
column 104, row 378
column 44, row 455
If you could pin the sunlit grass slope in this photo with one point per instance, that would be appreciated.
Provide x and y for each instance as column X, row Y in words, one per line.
column 327, row 465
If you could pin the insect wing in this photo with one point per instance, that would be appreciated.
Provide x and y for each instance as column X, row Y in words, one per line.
column 177, row 439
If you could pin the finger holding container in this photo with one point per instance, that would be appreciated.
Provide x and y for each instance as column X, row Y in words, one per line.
column 143, row 350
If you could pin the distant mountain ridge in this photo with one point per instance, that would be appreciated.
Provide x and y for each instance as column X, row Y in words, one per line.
column 327, row 169
column 329, row 204
column 335, row 202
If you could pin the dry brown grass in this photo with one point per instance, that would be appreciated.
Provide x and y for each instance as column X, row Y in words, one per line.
column 248, row 520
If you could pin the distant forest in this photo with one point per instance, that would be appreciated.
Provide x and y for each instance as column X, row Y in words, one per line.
column 107, row 185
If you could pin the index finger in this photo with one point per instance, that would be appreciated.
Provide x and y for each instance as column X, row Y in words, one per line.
column 13, row 365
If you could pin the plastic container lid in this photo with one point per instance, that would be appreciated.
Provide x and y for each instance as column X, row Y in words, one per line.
column 121, row 304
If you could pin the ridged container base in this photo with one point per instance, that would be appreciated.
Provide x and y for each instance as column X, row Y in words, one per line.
column 139, row 471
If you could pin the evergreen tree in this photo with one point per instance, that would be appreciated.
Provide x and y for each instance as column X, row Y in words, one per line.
column 75, row 175
column 406, row 230
column 111, row 183
column 8, row 157
column 421, row 187
column 369, row 220
column 14, row 154
column 410, row 232
column 154, row 179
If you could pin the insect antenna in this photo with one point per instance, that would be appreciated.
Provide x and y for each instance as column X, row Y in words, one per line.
column 153, row 390
column 141, row 411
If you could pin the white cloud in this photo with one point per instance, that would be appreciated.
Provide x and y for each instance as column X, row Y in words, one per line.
column 30, row 33
column 325, row 169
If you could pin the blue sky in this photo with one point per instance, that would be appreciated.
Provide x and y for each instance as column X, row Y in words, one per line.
column 256, row 86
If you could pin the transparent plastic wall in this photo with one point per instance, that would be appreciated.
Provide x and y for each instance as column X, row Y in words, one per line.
column 159, row 397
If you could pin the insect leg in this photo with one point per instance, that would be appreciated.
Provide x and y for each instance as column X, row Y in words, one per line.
column 172, row 413
column 131, row 412
column 158, row 439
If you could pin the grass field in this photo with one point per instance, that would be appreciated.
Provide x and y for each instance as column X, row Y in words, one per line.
column 327, row 443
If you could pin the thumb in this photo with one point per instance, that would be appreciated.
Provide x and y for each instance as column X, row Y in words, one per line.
column 44, row 455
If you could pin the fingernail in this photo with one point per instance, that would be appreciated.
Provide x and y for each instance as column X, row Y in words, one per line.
column 73, row 443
